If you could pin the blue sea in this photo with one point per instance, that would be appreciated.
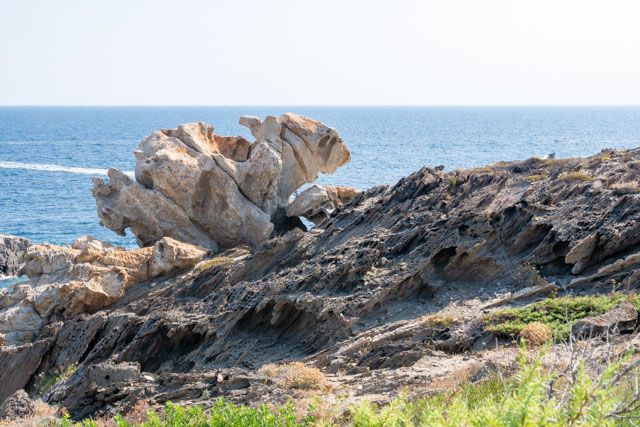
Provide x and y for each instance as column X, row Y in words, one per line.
column 49, row 154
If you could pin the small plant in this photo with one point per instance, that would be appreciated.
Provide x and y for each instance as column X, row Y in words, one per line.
column 439, row 320
column 45, row 383
column 294, row 375
column 212, row 263
column 536, row 334
column 453, row 182
column 575, row 176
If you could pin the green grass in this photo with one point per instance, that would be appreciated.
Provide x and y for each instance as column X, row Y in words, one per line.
column 557, row 313
column 213, row 263
column 535, row 396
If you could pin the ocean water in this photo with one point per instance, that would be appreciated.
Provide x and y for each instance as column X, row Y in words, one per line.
column 48, row 155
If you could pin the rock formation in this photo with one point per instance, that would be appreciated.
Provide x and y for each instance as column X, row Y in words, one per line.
column 316, row 202
column 11, row 250
column 389, row 293
column 214, row 191
column 89, row 275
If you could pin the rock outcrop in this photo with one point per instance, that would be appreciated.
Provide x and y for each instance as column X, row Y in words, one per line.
column 386, row 294
column 622, row 318
column 89, row 275
column 11, row 250
column 18, row 405
column 316, row 203
column 214, row 191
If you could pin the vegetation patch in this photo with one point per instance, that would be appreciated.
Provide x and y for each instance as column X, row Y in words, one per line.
column 575, row 176
column 212, row 263
column 558, row 314
column 439, row 320
column 294, row 375
column 538, row 177
column 535, row 396
column 44, row 383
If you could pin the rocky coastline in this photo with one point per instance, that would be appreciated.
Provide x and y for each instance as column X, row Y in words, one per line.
column 393, row 288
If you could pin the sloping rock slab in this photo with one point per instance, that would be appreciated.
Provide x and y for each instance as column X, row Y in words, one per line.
column 621, row 319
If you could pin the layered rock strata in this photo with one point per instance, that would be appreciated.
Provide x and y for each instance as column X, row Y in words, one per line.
column 386, row 295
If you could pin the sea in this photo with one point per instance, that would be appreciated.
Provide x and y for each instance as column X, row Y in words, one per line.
column 48, row 155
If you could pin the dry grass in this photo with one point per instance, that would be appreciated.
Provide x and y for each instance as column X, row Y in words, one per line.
column 294, row 375
column 536, row 334
column 213, row 263
column 536, row 178
column 575, row 176
column 626, row 186
column 45, row 415
column 439, row 320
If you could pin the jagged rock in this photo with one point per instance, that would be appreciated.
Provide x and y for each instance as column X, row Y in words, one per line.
column 316, row 202
column 18, row 405
column 357, row 295
column 93, row 387
column 213, row 191
column 68, row 281
column 1, row 339
column 11, row 250
column 621, row 319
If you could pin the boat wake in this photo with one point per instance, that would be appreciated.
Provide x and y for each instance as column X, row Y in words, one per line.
column 45, row 167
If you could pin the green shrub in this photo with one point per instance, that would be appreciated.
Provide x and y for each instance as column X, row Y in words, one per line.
column 535, row 396
column 44, row 383
column 558, row 314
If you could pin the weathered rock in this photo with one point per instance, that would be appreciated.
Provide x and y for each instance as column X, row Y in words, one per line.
column 621, row 319
column 93, row 387
column 18, row 405
column 68, row 281
column 316, row 202
column 368, row 294
column 11, row 250
column 213, row 191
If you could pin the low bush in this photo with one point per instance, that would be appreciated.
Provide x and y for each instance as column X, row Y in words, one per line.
column 558, row 314
column 536, row 396
column 44, row 383
column 294, row 375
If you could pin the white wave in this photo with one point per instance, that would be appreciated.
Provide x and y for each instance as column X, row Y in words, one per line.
column 55, row 168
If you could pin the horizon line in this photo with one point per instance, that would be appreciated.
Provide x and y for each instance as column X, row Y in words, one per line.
column 311, row 105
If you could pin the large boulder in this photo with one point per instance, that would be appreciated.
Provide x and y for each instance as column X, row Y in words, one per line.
column 11, row 250
column 214, row 191
column 69, row 280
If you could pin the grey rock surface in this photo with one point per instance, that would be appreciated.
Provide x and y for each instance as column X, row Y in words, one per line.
column 388, row 293
column 11, row 250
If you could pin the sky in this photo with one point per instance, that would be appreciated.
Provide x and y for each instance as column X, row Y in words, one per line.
column 330, row 52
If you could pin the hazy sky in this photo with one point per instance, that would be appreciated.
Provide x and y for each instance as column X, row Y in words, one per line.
column 297, row 52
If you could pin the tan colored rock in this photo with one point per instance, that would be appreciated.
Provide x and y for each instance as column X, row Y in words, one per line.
column 215, row 191
column 317, row 202
column 169, row 254
column 83, row 278
column 1, row 340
